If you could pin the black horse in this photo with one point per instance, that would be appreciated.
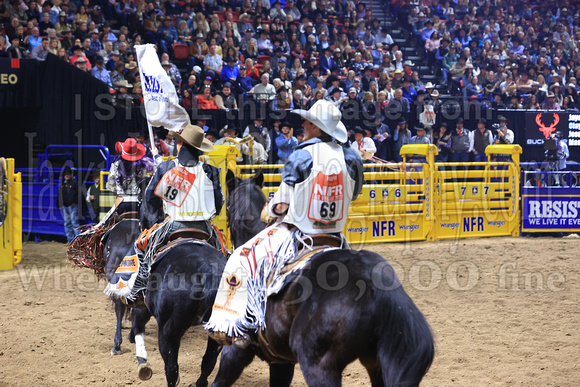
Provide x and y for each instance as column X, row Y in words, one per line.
column 346, row 305
column 181, row 289
column 119, row 243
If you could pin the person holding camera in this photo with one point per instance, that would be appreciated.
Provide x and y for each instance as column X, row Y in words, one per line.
column 556, row 154
column 561, row 150
column 504, row 135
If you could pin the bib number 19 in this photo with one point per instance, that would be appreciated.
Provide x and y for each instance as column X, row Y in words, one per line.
column 171, row 193
column 328, row 210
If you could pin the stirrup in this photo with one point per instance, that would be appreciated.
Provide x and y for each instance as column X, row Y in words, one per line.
column 242, row 341
column 220, row 337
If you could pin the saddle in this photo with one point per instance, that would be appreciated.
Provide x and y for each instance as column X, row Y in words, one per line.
column 319, row 242
column 179, row 237
column 192, row 233
column 129, row 215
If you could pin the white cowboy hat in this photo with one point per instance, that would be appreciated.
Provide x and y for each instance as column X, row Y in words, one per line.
column 326, row 117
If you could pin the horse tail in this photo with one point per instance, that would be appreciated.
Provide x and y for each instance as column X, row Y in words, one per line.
column 405, row 343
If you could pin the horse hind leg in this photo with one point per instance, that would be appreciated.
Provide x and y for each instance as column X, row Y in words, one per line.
column 374, row 370
column 281, row 375
column 169, row 343
column 137, row 336
column 321, row 375
column 208, row 363
column 232, row 363
column 120, row 313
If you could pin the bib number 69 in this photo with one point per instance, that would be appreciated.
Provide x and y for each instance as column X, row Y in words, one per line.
column 328, row 210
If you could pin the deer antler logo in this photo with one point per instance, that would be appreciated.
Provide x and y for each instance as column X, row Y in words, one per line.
column 547, row 130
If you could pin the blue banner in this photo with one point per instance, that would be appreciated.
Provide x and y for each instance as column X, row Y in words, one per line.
column 550, row 212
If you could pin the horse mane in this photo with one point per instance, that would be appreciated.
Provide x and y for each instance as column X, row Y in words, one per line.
column 244, row 206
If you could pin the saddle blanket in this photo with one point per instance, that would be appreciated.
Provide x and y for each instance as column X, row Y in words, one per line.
column 253, row 272
column 123, row 281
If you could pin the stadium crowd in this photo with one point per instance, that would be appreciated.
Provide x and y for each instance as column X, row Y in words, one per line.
column 288, row 54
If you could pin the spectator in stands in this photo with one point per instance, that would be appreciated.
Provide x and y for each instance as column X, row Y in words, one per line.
column 365, row 146
column 15, row 51
column 384, row 37
column 168, row 34
column 449, row 61
column 260, row 133
column 283, row 101
column 206, row 100
column 213, row 62
column 45, row 24
column 33, row 40
column 264, row 44
column 264, row 91
column 286, row 142
column 68, row 201
column 401, row 136
column 122, row 98
column 475, row 89
column 225, row 99
column 408, row 92
column 459, row 143
column 40, row 52
column 186, row 99
column 479, row 139
column 3, row 48
column 441, row 140
column 421, row 137
column 100, row 72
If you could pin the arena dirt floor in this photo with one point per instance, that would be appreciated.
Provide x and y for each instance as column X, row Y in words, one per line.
column 504, row 311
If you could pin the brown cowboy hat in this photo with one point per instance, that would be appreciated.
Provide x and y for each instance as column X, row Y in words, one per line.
column 130, row 150
column 194, row 136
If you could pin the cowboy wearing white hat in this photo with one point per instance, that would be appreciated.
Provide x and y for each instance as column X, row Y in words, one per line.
column 318, row 164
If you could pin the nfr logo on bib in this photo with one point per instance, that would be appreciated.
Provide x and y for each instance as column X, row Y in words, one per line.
column 187, row 193
column 326, row 198
column 320, row 203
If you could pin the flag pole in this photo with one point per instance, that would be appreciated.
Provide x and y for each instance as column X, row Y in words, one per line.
column 151, row 138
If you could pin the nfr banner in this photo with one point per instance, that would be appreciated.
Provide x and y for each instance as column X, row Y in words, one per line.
column 550, row 209
column 542, row 125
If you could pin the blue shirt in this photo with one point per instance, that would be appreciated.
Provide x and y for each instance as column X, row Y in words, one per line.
column 299, row 165
column 377, row 57
column 285, row 146
column 169, row 34
column 410, row 94
column 34, row 42
column 102, row 75
column 230, row 75
column 246, row 83
column 426, row 33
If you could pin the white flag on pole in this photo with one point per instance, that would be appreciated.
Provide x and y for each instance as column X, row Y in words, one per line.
column 159, row 95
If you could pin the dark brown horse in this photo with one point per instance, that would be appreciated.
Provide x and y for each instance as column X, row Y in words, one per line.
column 345, row 305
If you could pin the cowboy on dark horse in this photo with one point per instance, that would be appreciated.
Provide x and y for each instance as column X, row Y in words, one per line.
column 319, row 181
column 183, row 193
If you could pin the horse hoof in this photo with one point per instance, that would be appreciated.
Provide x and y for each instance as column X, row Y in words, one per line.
column 176, row 382
column 201, row 383
column 116, row 350
column 145, row 371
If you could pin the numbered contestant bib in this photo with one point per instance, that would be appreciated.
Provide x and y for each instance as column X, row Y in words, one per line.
column 326, row 199
column 187, row 193
column 320, row 203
